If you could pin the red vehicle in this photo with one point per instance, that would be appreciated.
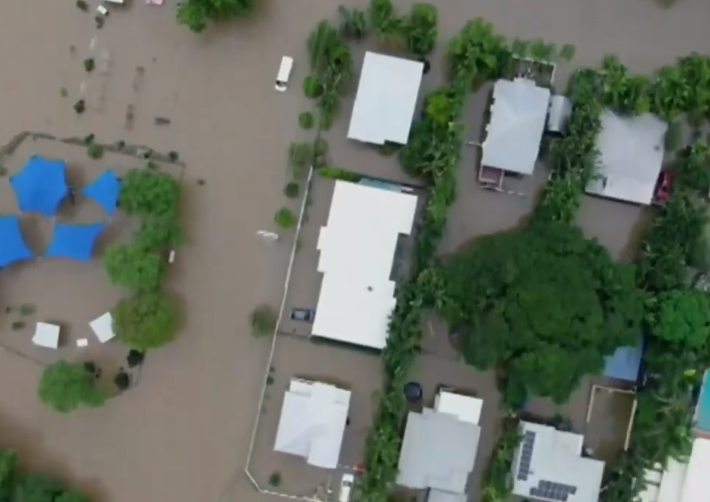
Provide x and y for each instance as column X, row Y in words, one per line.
column 663, row 187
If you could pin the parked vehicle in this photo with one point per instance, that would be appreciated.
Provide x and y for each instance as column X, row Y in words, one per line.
column 284, row 74
column 346, row 486
column 304, row 315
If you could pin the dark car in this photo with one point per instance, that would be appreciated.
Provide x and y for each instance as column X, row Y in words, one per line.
column 303, row 315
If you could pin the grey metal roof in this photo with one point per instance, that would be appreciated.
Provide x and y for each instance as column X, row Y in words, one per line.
column 438, row 452
column 518, row 117
column 548, row 466
column 630, row 156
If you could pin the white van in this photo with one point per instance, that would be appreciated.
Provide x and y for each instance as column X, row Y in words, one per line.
column 346, row 486
column 284, row 74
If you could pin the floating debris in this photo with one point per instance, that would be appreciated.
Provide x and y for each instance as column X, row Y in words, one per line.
column 161, row 121
column 80, row 106
column 130, row 115
column 89, row 65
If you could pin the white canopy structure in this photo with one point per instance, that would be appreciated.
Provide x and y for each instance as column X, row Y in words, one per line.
column 465, row 408
column 631, row 156
column 386, row 99
column 357, row 248
column 46, row 335
column 103, row 327
column 312, row 422
column 514, row 133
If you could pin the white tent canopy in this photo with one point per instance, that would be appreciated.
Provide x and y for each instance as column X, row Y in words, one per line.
column 386, row 99
column 518, row 117
column 46, row 335
column 357, row 248
column 103, row 327
column 312, row 422
column 465, row 408
column 631, row 156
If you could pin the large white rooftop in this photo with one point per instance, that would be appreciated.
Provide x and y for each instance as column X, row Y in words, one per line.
column 357, row 248
column 630, row 157
column 386, row 99
column 518, row 118
column 312, row 422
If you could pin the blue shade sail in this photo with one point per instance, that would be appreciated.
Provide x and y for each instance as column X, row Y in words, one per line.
column 12, row 245
column 74, row 241
column 104, row 191
column 40, row 186
column 625, row 363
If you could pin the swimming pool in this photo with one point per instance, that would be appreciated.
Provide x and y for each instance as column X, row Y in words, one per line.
column 702, row 410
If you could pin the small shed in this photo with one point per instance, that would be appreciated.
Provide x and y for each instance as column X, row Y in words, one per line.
column 558, row 114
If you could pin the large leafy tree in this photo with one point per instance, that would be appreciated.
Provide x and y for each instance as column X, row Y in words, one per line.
column 8, row 474
column 682, row 318
column 195, row 14
column 73, row 496
column 147, row 192
column 158, row 232
column 543, row 304
column 65, row 386
column 145, row 320
column 134, row 266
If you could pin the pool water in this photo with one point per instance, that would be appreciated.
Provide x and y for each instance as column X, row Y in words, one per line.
column 702, row 411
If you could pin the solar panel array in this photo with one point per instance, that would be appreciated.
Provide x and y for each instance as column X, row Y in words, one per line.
column 526, row 452
column 553, row 491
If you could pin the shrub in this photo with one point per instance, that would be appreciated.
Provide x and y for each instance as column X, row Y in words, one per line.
column 320, row 147
column 82, row 5
column 79, row 107
column 305, row 120
column 148, row 192
column 312, row 87
column 285, row 218
column 89, row 65
column 95, row 151
column 262, row 320
column 337, row 173
column 133, row 266
column 291, row 190
column 145, row 320
column 275, row 479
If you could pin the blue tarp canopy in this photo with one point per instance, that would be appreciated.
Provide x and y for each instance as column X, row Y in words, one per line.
column 12, row 245
column 40, row 186
column 104, row 191
column 75, row 241
column 625, row 363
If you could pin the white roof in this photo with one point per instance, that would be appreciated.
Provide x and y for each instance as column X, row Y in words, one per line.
column 386, row 99
column 46, row 335
column 518, row 117
column 630, row 157
column 312, row 422
column 697, row 482
column 465, row 408
column 554, row 458
column 357, row 248
column 102, row 326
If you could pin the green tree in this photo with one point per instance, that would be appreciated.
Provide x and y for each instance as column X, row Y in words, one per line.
column 312, row 87
column 515, row 298
column 73, row 496
column 8, row 474
column 149, row 192
column 134, row 266
column 439, row 107
column 36, row 487
column 477, row 53
column 353, row 24
column 65, row 386
column 157, row 233
column 386, row 25
column 421, row 30
column 285, row 218
column 145, row 320
column 195, row 14
column 682, row 317
column 262, row 320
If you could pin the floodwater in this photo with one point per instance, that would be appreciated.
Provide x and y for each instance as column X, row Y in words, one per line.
column 182, row 434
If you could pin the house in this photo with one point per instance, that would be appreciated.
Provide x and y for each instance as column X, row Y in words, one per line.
column 439, row 447
column 548, row 465
column 680, row 481
column 357, row 249
column 514, row 133
column 631, row 153
column 386, row 99
column 312, row 422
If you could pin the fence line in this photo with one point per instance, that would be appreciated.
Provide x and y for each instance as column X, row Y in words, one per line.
column 265, row 383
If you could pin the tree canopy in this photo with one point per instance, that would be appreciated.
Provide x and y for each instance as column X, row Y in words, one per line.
column 147, row 192
column 133, row 266
column 420, row 29
column 543, row 304
column 38, row 487
column 195, row 14
column 65, row 386
column 682, row 318
column 146, row 320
